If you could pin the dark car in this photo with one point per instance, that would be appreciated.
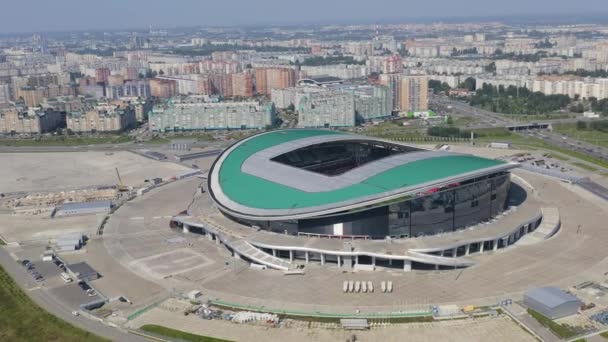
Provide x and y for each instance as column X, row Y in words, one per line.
column 25, row 262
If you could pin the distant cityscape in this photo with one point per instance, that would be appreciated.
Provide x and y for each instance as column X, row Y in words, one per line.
column 326, row 76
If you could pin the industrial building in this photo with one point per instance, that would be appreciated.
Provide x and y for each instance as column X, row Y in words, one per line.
column 552, row 302
column 82, row 271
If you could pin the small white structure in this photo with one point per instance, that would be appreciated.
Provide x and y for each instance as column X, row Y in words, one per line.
column 48, row 256
column 591, row 115
column 194, row 294
column 503, row 145
column 448, row 310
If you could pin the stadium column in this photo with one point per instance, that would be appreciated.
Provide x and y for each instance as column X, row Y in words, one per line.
column 290, row 255
column 407, row 265
column 454, row 252
column 274, row 252
column 186, row 228
column 237, row 255
column 496, row 244
column 306, row 256
column 339, row 261
column 467, row 250
column 322, row 258
column 209, row 236
column 373, row 261
column 481, row 245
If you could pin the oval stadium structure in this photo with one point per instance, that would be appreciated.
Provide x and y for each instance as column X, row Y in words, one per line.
column 322, row 182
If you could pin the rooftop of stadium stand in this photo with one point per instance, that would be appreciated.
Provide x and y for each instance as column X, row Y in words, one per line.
column 270, row 171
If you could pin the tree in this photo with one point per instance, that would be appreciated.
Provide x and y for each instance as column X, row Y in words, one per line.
column 490, row 67
column 577, row 108
column 581, row 125
column 469, row 84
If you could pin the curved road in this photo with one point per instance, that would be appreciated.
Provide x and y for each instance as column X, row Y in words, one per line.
column 50, row 304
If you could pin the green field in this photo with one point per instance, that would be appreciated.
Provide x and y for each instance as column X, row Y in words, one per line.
column 22, row 320
column 66, row 141
column 585, row 166
column 561, row 330
column 181, row 335
column 590, row 136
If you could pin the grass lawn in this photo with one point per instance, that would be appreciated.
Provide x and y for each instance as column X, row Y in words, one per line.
column 182, row 335
column 561, row 330
column 557, row 156
column 66, row 141
column 604, row 335
column 22, row 320
column 584, row 166
column 594, row 137
column 534, row 143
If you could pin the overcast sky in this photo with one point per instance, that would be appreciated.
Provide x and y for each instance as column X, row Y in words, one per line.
column 55, row 15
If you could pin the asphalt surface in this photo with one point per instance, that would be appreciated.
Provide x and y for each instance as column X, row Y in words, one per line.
column 486, row 119
column 50, row 304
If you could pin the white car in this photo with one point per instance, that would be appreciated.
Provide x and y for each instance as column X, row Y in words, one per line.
column 75, row 313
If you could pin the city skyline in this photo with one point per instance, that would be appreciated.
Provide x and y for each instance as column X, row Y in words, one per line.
column 72, row 15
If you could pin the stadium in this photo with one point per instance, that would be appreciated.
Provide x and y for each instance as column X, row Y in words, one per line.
column 287, row 198
column 323, row 182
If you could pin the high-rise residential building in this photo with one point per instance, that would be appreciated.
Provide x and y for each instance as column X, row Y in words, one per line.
column 413, row 94
column 273, row 78
column 326, row 109
column 242, row 84
column 33, row 96
column 104, row 117
column 163, row 88
column 221, row 84
column 5, row 93
column 33, row 120
column 102, row 74
column 392, row 65
column 196, row 115
column 393, row 82
column 132, row 88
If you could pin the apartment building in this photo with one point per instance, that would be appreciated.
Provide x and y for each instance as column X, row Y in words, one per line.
column 104, row 117
column 32, row 120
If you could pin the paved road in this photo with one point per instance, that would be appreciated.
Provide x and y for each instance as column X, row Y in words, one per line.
column 50, row 304
column 489, row 119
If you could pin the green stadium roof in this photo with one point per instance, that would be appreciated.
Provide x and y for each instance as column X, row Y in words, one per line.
column 254, row 192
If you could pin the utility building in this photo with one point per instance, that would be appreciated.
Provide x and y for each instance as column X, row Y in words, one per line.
column 552, row 302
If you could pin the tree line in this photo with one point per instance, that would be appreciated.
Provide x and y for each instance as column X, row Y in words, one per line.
column 517, row 100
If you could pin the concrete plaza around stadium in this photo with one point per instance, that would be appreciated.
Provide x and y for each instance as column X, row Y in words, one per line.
column 575, row 254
